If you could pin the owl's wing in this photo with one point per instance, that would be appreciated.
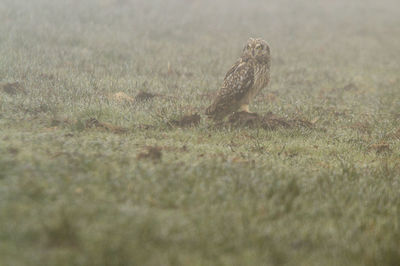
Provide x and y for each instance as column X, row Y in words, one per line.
column 238, row 81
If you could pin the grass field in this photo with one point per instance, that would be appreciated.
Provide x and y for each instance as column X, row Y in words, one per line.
column 93, row 174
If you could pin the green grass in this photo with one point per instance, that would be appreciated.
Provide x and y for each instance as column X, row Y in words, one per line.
column 71, row 194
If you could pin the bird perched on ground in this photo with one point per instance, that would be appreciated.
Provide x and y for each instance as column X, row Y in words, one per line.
column 244, row 80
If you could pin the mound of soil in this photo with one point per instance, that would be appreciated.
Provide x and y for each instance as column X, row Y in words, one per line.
column 268, row 121
column 362, row 127
column 187, row 121
column 350, row 86
column 144, row 96
column 380, row 147
column 12, row 88
column 122, row 97
column 55, row 122
column 150, row 152
column 94, row 123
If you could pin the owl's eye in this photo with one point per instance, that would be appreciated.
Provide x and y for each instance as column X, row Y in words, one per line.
column 260, row 46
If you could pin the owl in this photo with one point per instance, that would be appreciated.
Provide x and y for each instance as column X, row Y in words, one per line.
column 244, row 80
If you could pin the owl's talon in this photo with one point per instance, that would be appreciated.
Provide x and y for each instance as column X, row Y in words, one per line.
column 244, row 108
column 244, row 113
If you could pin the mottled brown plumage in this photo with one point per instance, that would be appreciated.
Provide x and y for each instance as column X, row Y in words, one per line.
column 243, row 81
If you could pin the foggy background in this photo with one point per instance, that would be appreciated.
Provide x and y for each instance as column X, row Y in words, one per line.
column 366, row 30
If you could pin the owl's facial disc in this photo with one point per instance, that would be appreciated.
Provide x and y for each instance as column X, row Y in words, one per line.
column 255, row 47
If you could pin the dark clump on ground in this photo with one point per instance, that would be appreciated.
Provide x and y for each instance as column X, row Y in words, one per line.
column 350, row 86
column 55, row 122
column 150, row 152
column 187, row 121
column 268, row 121
column 47, row 76
column 144, row 96
column 12, row 88
column 94, row 123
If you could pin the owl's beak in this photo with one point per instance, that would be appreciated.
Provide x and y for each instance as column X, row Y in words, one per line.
column 252, row 52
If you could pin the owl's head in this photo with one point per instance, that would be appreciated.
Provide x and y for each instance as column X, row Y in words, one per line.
column 257, row 49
